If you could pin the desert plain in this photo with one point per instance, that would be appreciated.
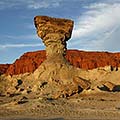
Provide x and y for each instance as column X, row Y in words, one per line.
column 100, row 102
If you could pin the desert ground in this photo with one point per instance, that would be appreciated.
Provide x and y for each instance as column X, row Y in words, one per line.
column 100, row 102
column 93, row 106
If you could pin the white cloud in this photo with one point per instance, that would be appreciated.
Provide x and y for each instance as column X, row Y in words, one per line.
column 22, row 37
column 4, row 4
column 19, row 45
column 98, row 24
column 37, row 5
column 30, row 4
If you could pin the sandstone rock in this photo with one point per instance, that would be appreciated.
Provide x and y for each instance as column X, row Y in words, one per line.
column 3, row 68
column 56, row 70
column 27, row 63
column 75, row 87
column 55, row 42
column 54, row 32
column 47, row 25
column 107, row 86
column 30, row 61
column 67, row 91
column 84, row 84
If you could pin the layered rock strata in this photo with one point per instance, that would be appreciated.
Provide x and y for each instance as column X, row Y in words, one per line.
column 30, row 61
column 56, row 71
column 3, row 68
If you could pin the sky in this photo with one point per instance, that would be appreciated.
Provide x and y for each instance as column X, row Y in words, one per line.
column 96, row 25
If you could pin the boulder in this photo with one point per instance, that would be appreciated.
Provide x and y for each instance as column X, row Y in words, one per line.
column 107, row 86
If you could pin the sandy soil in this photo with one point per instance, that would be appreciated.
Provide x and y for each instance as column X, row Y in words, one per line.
column 88, row 106
column 92, row 104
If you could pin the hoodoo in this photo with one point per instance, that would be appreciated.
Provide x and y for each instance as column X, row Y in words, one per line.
column 56, row 70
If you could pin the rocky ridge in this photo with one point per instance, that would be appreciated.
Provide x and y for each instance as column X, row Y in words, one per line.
column 3, row 68
column 30, row 61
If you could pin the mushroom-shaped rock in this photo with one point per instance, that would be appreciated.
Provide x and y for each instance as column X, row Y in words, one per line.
column 56, row 71
column 54, row 32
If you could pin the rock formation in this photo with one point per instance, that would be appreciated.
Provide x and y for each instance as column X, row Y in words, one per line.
column 109, row 86
column 54, row 32
column 52, row 75
column 30, row 61
column 3, row 68
column 56, row 71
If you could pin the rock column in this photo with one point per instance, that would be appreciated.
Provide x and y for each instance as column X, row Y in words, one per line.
column 54, row 33
column 56, row 71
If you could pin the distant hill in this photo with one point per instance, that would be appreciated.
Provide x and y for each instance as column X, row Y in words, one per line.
column 30, row 61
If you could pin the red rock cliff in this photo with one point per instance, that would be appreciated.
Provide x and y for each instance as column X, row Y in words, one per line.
column 30, row 61
column 3, row 68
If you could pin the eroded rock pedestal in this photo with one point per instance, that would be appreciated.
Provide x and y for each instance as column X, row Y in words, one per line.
column 56, row 71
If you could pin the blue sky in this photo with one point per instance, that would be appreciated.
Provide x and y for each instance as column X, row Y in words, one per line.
column 96, row 25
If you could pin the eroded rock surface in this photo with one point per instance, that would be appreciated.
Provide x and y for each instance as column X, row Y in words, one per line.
column 30, row 61
column 56, row 70
column 54, row 32
column 3, row 68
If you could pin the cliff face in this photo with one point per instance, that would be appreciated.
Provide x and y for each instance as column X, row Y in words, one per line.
column 3, row 68
column 30, row 61
column 91, row 60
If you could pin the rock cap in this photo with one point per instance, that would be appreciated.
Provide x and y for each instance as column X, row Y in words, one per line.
column 47, row 25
